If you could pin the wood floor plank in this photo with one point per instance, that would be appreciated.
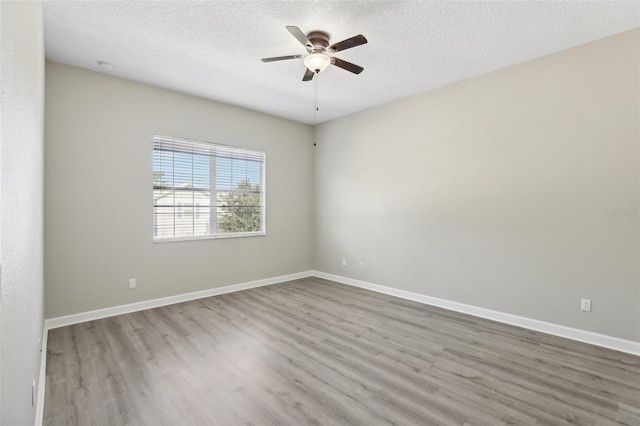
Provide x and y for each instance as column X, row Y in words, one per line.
column 314, row 352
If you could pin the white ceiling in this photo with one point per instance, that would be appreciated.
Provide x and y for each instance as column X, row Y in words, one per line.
column 212, row 49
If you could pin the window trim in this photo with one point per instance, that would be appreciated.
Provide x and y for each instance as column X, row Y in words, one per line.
column 263, row 188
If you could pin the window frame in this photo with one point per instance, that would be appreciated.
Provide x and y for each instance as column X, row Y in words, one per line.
column 213, row 206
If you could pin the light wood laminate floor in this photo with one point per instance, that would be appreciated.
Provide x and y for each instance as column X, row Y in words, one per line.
column 313, row 352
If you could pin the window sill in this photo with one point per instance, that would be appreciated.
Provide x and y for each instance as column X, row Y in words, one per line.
column 209, row 237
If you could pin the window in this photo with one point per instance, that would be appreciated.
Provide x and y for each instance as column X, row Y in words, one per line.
column 205, row 190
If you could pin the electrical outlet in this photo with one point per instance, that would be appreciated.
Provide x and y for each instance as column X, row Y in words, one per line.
column 344, row 262
column 132, row 283
column 361, row 265
column 585, row 305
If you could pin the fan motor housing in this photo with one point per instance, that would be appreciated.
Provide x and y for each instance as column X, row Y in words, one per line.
column 319, row 39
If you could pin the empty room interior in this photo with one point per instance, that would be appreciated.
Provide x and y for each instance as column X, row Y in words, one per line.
column 320, row 213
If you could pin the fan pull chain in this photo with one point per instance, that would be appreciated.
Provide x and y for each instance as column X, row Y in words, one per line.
column 315, row 101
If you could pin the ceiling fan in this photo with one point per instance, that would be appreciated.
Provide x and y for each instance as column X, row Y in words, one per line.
column 319, row 55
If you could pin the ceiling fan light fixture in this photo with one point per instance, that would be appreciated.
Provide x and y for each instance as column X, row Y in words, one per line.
column 320, row 51
column 317, row 62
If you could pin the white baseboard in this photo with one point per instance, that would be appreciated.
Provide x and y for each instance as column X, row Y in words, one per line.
column 605, row 341
column 41, row 377
column 163, row 301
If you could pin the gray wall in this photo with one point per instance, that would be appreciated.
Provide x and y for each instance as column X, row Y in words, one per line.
column 493, row 191
column 98, row 193
column 21, row 246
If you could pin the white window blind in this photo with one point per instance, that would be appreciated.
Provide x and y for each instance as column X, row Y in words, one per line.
column 205, row 190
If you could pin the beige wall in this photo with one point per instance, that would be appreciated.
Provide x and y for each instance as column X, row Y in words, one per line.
column 21, row 244
column 493, row 191
column 98, row 194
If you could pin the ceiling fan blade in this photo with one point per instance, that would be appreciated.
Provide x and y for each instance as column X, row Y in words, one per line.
column 308, row 75
column 282, row 58
column 356, row 69
column 348, row 43
column 302, row 38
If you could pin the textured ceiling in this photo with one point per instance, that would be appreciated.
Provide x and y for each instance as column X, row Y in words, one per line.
column 212, row 49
